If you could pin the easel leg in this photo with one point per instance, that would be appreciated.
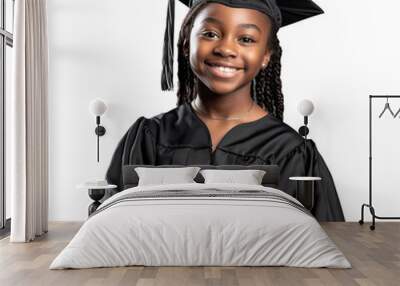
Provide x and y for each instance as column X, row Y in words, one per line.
column 372, row 210
column 361, row 221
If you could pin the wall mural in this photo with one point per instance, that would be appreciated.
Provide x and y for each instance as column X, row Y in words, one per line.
column 229, row 99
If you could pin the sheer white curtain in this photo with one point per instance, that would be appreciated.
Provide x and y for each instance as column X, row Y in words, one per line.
column 29, row 123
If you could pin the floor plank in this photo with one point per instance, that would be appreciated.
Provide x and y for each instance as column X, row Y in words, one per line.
column 374, row 255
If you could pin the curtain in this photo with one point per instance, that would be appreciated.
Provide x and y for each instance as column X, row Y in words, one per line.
column 29, row 122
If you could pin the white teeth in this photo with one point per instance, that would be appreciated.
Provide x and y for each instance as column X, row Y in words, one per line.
column 226, row 69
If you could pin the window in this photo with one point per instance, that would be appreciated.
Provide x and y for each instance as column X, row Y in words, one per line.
column 6, row 44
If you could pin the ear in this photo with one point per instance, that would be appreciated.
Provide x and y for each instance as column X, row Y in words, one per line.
column 266, row 58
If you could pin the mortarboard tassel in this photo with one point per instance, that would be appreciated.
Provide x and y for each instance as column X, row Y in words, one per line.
column 167, row 76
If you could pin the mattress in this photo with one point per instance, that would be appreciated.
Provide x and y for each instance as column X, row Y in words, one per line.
column 201, row 225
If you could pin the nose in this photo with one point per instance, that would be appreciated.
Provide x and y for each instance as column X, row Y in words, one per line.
column 225, row 48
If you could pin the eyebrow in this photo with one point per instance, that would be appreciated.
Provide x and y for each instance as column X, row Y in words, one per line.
column 245, row 26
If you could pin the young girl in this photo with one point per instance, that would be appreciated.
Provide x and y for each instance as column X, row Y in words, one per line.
column 230, row 103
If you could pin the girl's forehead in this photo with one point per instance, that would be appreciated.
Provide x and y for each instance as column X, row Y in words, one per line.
column 225, row 15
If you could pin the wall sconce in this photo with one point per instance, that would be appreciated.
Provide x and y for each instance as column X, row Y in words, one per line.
column 97, row 107
column 305, row 108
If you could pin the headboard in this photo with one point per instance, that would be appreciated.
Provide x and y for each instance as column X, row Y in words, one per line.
column 270, row 179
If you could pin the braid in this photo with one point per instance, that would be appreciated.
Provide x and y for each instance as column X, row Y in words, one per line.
column 268, row 84
column 187, row 81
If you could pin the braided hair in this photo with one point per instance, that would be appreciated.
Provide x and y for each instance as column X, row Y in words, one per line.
column 266, row 87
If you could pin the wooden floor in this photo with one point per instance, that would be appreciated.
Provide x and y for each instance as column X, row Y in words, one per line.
column 374, row 255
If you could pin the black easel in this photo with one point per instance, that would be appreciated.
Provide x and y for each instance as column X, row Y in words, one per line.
column 369, row 205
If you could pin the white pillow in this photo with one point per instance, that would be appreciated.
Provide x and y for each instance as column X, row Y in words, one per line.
column 162, row 176
column 248, row 177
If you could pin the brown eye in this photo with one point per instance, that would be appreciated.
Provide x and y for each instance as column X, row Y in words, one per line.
column 210, row 34
column 247, row 40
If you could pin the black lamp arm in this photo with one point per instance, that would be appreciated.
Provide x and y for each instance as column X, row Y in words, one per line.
column 303, row 130
column 100, row 131
column 305, row 120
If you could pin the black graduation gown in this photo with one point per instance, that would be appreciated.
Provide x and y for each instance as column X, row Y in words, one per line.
column 180, row 137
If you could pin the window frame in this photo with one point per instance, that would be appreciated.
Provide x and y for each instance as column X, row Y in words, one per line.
column 6, row 39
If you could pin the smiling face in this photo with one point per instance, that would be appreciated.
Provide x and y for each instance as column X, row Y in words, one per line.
column 228, row 47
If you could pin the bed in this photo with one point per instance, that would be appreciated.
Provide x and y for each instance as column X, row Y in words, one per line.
column 201, row 224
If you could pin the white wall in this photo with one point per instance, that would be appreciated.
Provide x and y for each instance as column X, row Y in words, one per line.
column 112, row 50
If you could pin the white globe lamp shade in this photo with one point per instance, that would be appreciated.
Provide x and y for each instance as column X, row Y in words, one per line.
column 97, row 107
column 305, row 107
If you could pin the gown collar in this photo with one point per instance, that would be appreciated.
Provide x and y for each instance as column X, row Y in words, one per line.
column 231, row 134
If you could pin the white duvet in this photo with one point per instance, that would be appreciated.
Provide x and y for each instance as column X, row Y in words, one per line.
column 185, row 231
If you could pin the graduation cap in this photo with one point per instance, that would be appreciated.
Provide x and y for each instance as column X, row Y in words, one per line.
column 281, row 12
